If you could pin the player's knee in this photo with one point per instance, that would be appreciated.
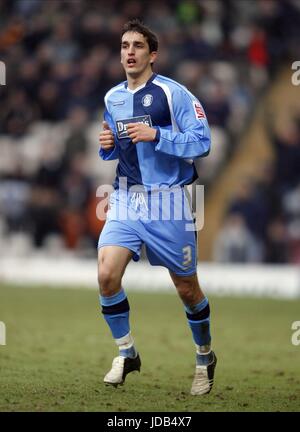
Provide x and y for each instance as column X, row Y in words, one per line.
column 187, row 291
column 186, row 295
column 108, row 279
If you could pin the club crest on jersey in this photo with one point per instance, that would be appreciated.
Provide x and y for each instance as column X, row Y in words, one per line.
column 147, row 100
column 198, row 110
column 122, row 124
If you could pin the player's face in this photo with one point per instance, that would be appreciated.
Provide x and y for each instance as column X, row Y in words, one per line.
column 135, row 54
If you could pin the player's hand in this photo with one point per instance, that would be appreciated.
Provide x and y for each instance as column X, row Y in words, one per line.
column 140, row 132
column 106, row 137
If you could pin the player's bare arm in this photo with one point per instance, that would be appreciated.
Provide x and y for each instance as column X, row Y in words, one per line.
column 106, row 137
column 140, row 132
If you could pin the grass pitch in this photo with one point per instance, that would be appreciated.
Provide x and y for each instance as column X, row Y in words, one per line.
column 59, row 348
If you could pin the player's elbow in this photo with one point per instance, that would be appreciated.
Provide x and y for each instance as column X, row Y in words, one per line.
column 207, row 147
column 204, row 146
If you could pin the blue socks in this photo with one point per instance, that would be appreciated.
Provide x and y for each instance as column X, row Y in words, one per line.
column 116, row 313
column 199, row 322
column 115, row 310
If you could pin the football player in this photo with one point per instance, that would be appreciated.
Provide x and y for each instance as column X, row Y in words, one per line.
column 156, row 129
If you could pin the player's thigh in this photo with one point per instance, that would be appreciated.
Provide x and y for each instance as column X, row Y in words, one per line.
column 112, row 262
column 176, row 248
column 124, row 234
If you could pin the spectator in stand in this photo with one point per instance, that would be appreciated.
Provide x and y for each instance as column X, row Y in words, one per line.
column 286, row 144
column 276, row 244
column 76, row 188
column 76, row 141
column 18, row 114
column 291, row 208
column 250, row 203
column 235, row 243
column 46, row 197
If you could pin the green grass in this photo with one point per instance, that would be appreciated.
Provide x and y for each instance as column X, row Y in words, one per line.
column 59, row 348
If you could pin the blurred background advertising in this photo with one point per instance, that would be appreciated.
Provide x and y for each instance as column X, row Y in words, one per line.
column 237, row 57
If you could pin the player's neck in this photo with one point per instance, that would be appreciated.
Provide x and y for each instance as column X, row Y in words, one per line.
column 136, row 81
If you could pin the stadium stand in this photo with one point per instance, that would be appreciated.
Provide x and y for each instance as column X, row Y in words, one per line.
column 61, row 58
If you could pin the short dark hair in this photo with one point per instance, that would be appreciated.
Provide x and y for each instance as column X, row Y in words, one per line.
column 135, row 25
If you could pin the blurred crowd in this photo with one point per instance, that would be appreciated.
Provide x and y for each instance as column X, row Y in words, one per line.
column 62, row 56
column 262, row 222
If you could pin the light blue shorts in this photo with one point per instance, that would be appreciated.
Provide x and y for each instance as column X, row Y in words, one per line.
column 161, row 220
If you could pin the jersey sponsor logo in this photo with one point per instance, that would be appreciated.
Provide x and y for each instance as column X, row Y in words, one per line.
column 122, row 124
column 147, row 100
column 198, row 110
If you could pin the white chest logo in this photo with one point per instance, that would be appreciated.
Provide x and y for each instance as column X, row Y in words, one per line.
column 147, row 100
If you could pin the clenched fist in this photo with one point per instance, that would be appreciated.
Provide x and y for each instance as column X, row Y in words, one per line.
column 140, row 132
column 106, row 137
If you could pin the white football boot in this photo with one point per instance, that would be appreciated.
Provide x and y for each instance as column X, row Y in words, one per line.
column 204, row 378
column 121, row 366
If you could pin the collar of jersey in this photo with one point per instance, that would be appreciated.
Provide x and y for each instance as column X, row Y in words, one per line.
column 142, row 85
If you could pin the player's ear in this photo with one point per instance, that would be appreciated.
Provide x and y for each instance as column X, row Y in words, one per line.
column 153, row 56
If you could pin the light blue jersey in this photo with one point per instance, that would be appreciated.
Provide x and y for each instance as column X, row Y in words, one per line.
column 182, row 135
column 167, row 164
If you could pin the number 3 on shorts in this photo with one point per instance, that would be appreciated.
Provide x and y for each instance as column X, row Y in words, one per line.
column 187, row 255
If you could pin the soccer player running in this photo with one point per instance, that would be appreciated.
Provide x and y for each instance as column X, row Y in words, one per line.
column 156, row 129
